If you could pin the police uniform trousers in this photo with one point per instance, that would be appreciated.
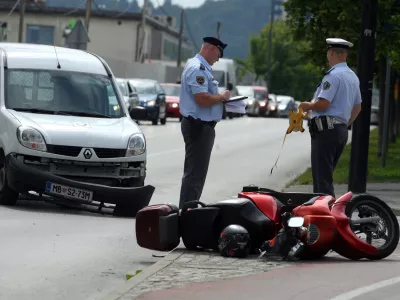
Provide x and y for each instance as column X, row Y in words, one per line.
column 328, row 140
column 199, row 139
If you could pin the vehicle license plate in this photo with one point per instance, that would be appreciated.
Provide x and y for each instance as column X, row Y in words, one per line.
column 68, row 192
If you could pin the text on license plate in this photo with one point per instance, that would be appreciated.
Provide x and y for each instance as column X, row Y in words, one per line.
column 69, row 192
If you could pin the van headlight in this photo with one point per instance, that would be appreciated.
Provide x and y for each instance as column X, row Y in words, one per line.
column 31, row 138
column 136, row 145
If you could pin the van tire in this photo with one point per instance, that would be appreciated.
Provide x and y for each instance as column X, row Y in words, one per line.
column 8, row 196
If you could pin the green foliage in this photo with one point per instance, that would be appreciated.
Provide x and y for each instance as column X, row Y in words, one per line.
column 129, row 276
column 290, row 73
column 315, row 21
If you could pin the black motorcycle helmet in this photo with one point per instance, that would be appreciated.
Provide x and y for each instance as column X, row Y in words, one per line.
column 234, row 241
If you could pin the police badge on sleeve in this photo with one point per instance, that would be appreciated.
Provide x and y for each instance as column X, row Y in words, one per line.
column 200, row 79
column 326, row 85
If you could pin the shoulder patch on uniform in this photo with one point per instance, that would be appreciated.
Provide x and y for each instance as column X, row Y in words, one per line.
column 202, row 67
column 326, row 85
column 200, row 79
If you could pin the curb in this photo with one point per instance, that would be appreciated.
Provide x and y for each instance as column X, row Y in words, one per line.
column 125, row 287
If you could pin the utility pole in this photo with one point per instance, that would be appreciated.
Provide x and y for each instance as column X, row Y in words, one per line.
column 365, row 69
column 21, row 21
column 178, row 63
column 142, row 38
column 87, row 16
column 271, row 18
column 218, row 29
column 386, row 119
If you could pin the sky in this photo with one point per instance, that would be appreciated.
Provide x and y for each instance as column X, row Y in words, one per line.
column 184, row 3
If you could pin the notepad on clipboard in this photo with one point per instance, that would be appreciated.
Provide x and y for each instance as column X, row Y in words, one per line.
column 236, row 105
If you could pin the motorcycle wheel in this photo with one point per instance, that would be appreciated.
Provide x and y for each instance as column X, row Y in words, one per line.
column 386, row 214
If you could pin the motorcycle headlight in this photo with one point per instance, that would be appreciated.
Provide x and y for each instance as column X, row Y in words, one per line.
column 151, row 103
column 31, row 138
column 136, row 145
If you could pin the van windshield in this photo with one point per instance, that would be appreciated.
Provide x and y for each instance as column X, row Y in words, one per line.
column 47, row 91
column 220, row 77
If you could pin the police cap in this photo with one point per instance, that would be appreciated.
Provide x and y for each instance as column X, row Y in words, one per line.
column 338, row 43
column 216, row 42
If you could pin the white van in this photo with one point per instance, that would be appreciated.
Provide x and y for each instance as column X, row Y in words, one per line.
column 64, row 135
column 224, row 71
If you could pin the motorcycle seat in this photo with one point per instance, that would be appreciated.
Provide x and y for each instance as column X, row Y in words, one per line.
column 311, row 201
column 286, row 198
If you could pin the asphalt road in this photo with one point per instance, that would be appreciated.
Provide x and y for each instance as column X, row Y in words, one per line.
column 52, row 253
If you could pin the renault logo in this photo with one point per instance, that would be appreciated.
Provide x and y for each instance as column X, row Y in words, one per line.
column 87, row 154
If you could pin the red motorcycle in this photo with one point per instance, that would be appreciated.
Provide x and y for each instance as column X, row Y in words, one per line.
column 312, row 229
column 293, row 225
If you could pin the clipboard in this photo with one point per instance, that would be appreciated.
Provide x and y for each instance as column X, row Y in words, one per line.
column 234, row 99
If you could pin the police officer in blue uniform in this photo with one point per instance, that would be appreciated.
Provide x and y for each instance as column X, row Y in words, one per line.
column 336, row 104
column 201, row 107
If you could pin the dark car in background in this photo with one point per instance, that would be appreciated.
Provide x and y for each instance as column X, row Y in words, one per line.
column 152, row 97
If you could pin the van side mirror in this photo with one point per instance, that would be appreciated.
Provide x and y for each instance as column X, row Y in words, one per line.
column 133, row 94
column 138, row 113
column 230, row 86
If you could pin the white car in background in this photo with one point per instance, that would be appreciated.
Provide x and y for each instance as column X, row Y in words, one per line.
column 129, row 93
column 284, row 104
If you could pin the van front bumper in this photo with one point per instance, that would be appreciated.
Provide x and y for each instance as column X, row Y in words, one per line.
column 23, row 179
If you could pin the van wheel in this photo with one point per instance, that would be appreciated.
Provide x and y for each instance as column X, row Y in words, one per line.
column 8, row 196
column 163, row 121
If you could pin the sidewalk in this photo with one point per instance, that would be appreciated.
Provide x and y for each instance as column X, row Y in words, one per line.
column 213, row 275
column 181, row 267
column 232, row 280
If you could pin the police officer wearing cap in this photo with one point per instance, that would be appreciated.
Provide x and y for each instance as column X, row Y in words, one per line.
column 336, row 104
column 201, row 107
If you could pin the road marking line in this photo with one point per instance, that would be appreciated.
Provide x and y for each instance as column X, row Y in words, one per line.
column 366, row 289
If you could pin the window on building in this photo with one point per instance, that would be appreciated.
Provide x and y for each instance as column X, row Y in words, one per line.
column 40, row 34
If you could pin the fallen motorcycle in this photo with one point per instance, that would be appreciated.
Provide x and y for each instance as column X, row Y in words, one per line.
column 293, row 225
column 325, row 223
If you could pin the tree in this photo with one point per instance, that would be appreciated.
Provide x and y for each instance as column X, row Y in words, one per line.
column 317, row 20
column 290, row 74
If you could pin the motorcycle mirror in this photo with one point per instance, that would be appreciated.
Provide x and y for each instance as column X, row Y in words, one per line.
column 296, row 222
